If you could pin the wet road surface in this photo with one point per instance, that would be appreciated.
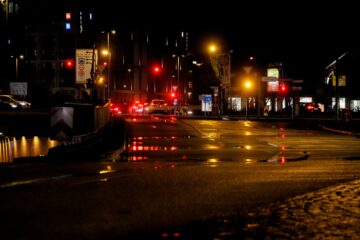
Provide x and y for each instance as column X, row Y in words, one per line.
column 214, row 179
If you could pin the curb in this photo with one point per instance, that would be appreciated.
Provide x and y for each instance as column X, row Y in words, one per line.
column 337, row 130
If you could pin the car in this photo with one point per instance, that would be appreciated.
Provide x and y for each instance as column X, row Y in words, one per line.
column 158, row 106
column 115, row 109
column 136, row 107
column 8, row 102
column 313, row 107
column 310, row 108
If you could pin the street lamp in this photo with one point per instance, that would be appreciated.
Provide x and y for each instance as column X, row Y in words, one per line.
column 107, row 52
column 334, row 65
column 21, row 57
column 221, row 64
column 248, row 86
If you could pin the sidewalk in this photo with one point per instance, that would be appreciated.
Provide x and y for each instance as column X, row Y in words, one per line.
column 329, row 213
column 351, row 127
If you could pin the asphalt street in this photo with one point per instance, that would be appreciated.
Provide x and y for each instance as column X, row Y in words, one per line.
column 329, row 213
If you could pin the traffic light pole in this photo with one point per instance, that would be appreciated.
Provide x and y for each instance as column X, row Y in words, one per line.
column 109, row 67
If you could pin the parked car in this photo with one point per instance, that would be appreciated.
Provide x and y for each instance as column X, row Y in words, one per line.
column 8, row 102
column 310, row 108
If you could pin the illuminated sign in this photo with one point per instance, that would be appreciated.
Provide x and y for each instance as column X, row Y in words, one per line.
column 273, row 72
column 68, row 26
column 273, row 86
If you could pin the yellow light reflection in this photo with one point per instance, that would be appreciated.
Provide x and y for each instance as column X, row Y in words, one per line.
column 211, row 147
column 247, row 133
column 213, row 160
column 107, row 170
column 247, row 124
column 249, row 161
column 23, row 146
column 247, row 147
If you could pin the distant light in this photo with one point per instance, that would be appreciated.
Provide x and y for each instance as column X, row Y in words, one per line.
column 90, row 16
column 68, row 26
column 69, row 63
column 212, row 48
column 68, row 16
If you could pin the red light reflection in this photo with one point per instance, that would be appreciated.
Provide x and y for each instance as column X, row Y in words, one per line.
column 137, row 158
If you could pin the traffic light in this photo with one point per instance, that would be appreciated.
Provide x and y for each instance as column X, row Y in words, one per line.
column 156, row 69
column 283, row 88
column 69, row 64
column 172, row 95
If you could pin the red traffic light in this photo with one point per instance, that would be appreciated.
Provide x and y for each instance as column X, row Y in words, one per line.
column 172, row 95
column 283, row 87
column 156, row 69
column 69, row 63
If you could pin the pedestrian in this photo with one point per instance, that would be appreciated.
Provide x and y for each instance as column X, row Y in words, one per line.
column 266, row 110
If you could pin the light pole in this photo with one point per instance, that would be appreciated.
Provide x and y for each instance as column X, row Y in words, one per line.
column 20, row 57
column 108, row 53
column 108, row 73
column 334, row 65
column 221, row 64
column 248, row 85
column 178, row 67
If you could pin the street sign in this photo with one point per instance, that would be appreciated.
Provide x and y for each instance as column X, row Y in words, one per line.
column 61, row 123
column 296, row 88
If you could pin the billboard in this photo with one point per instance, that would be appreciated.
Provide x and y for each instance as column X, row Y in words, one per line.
column 85, row 59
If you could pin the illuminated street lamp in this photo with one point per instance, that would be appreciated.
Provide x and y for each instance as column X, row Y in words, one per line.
column 21, row 57
column 221, row 64
column 212, row 48
column 248, row 87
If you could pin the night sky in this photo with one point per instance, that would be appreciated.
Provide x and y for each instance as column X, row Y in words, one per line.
column 305, row 35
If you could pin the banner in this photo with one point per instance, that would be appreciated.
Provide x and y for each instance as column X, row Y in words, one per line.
column 85, row 59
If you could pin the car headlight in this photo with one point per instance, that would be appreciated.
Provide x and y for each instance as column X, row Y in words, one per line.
column 13, row 105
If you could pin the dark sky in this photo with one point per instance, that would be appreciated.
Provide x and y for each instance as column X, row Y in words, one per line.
column 306, row 35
